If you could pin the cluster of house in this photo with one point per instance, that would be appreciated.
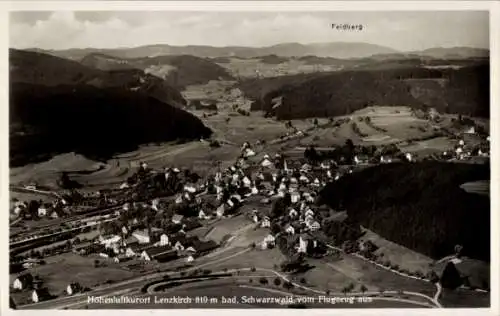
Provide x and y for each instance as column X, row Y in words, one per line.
column 148, row 245
column 463, row 151
column 56, row 209
column 40, row 293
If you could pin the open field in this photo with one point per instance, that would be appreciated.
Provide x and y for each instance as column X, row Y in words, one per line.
column 221, row 92
column 333, row 276
column 396, row 254
column 254, row 258
column 249, row 67
column 433, row 145
column 370, row 274
column 63, row 269
column 227, row 227
column 478, row 187
column 399, row 123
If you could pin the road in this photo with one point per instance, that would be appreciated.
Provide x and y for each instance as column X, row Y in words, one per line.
column 434, row 299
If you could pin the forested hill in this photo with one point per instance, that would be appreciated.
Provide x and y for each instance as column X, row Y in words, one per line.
column 448, row 90
column 97, row 122
column 418, row 205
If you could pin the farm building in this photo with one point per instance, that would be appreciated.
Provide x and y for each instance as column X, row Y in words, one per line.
column 266, row 162
column 40, row 295
column 74, row 288
column 266, row 222
column 268, row 242
column 163, row 253
column 109, row 240
column 164, row 240
column 177, row 219
column 204, row 247
column 42, row 211
column 145, row 236
column 23, row 281
column 303, row 242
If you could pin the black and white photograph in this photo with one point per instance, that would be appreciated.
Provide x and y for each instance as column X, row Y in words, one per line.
column 248, row 159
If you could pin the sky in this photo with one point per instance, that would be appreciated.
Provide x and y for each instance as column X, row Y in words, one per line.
column 405, row 31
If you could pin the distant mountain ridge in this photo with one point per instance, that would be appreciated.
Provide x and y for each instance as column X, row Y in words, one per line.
column 48, row 70
column 333, row 49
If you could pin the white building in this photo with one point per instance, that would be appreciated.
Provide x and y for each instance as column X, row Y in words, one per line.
column 155, row 203
column 266, row 163
column 265, row 222
column 73, row 288
column 247, row 182
column 164, row 240
column 110, row 240
column 302, row 248
column 177, row 219
column 22, row 282
column 304, row 179
column 40, row 295
column 42, row 211
column 249, row 153
column 220, row 210
column 268, row 242
column 178, row 246
column 129, row 253
column 409, row 157
column 202, row 215
column 142, row 236
column 314, row 226
column 255, row 191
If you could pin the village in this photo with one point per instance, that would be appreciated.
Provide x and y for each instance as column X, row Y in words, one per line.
column 151, row 217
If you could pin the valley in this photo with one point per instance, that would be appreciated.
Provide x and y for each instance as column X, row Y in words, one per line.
column 148, row 167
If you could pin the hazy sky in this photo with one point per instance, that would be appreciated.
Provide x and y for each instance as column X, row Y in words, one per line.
column 110, row 29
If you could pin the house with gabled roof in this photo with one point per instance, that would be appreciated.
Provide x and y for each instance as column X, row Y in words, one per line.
column 268, row 242
column 158, row 253
column 23, row 281
column 303, row 242
column 266, row 222
column 177, row 218
column 109, row 240
column 74, row 288
column 290, row 230
column 313, row 225
column 40, row 295
column 220, row 210
column 266, row 162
